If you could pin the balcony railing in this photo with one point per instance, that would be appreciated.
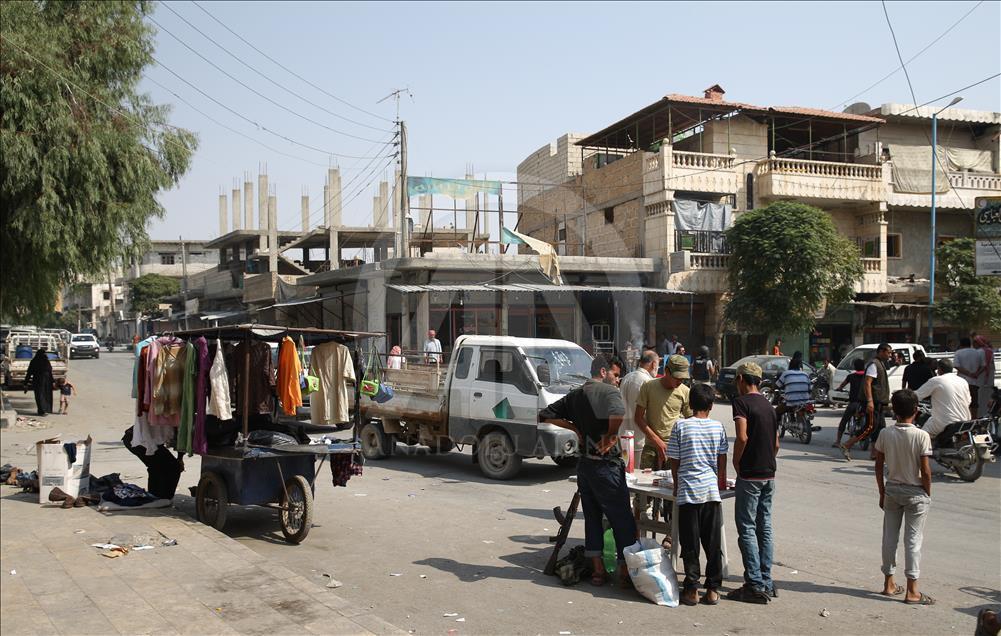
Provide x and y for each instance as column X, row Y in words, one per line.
column 709, row 261
column 702, row 160
column 975, row 181
column 701, row 241
column 821, row 168
column 871, row 265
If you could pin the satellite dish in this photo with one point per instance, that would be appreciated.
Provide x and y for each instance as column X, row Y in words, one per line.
column 859, row 108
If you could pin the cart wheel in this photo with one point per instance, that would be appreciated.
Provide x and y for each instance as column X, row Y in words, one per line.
column 211, row 501
column 297, row 509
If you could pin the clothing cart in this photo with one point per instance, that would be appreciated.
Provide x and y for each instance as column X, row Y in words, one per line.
column 283, row 476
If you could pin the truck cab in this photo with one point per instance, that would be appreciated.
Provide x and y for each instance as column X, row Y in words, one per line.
column 894, row 372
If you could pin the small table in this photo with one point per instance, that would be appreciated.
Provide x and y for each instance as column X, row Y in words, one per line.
column 646, row 493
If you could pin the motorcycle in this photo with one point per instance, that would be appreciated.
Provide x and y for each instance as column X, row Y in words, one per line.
column 970, row 444
column 797, row 421
column 821, row 391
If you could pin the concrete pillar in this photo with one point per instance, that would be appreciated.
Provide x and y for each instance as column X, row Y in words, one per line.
column 376, row 306
column 248, row 204
column 272, row 237
column 305, row 212
column 333, row 248
column 384, row 203
column 237, row 200
column 262, row 210
column 223, row 208
column 406, row 338
column 422, row 317
column 471, row 208
column 379, row 210
column 424, row 202
column 326, row 205
column 503, row 323
column 333, row 203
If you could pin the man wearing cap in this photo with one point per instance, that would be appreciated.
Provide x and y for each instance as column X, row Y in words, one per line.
column 754, row 453
column 660, row 404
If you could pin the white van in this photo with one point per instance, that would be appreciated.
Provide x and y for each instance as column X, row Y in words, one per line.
column 894, row 373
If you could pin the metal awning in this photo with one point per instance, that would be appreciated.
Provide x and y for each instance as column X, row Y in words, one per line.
column 299, row 301
column 221, row 315
column 531, row 287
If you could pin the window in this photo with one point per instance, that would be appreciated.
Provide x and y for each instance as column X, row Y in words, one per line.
column 868, row 245
column 464, row 362
column 749, row 191
column 609, row 215
column 107, row 295
column 167, row 258
column 561, row 234
column 504, row 366
column 894, row 246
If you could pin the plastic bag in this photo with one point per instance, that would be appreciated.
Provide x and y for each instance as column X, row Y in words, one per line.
column 650, row 569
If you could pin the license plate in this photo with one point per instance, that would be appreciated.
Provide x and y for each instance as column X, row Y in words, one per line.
column 982, row 439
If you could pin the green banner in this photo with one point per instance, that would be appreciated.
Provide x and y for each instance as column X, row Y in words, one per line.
column 455, row 188
column 988, row 217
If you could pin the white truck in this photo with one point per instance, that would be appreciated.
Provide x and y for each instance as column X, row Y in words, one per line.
column 488, row 395
column 894, row 373
column 20, row 347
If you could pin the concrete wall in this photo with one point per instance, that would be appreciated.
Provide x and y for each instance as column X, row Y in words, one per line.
column 748, row 137
column 914, row 226
column 554, row 163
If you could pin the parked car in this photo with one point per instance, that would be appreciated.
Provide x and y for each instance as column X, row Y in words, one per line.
column 771, row 367
column 84, row 345
column 21, row 348
column 894, row 373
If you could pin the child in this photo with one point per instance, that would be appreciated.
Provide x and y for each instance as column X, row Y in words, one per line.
column 854, row 380
column 905, row 496
column 66, row 389
column 697, row 449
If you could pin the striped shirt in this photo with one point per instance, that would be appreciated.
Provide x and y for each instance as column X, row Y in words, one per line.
column 795, row 385
column 697, row 443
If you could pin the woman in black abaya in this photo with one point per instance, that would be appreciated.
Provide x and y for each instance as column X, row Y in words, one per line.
column 40, row 379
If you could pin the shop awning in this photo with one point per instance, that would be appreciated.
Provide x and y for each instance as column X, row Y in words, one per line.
column 531, row 287
column 300, row 301
column 222, row 315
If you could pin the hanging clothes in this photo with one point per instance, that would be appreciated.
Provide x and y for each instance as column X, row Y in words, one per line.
column 331, row 362
column 141, row 370
column 149, row 436
column 165, row 380
column 219, row 401
column 200, row 443
column 261, row 381
column 185, row 431
column 137, row 365
column 289, row 370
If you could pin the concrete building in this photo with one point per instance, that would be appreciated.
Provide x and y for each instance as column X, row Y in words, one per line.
column 639, row 179
column 92, row 304
column 164, row 258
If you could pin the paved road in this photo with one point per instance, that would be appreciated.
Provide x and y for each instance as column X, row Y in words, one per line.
column 463, row 544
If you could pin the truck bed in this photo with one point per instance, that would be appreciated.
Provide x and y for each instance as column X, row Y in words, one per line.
column 418, row 395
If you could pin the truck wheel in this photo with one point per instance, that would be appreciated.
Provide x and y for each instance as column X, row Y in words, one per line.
column 496, row 456
column 375, row 442
column 440, row 445
column 566, row 461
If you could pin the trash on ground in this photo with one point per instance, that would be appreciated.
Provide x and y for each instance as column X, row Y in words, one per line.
column 361, row 494
column 79, row 531
column 104, row 546
column 13, row 572
column 825, row 613
column 424, row 576
column 143, row 547
column 168, row 542
column 794, row 572
column 487, row 541
column 450, row 614
column 460, row 620
column 396, row 574
column 334, row 583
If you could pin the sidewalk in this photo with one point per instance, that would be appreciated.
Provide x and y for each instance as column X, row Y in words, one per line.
column 54, row 582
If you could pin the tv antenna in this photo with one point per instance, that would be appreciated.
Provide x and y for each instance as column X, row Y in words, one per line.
column 396, row 94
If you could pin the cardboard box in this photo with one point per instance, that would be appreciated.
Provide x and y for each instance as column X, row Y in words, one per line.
column 56, row 470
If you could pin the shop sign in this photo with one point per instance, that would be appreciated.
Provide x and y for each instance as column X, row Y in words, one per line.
column 988, row 235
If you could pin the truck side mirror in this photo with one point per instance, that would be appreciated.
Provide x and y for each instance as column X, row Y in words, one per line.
column 542, row 371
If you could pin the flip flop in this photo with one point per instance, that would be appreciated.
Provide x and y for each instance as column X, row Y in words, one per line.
column 897, row 591
column 924, row 600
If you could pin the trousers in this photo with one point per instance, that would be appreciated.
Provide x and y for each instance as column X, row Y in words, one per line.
column 907, row 505
column 603, row 492
column 701, row 524
column 753, row 512
column 163, row 468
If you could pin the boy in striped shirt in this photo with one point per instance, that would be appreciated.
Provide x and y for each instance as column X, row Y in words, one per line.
column 697, row 450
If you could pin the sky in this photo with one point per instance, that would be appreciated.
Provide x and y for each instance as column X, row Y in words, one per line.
column 493, row 82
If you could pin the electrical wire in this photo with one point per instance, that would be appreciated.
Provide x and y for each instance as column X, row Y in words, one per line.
column 255, row 91
column 251, row 121
column 281, row 86
column 286, row 69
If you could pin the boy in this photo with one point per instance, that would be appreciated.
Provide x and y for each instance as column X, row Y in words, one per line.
column 697, row 450
column 854, row 381
column 66, row 389
column 905, row 496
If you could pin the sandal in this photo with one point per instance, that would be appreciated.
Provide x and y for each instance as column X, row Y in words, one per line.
column 923, row 600
column 711, row 597
column 599, row 579
column 897, row 591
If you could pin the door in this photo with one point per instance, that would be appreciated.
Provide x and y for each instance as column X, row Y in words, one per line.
column 502, row 391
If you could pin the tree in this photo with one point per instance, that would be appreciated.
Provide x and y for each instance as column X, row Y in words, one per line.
column 148, row 291
column 788, row 261
column 974, row 302
column 84, row 153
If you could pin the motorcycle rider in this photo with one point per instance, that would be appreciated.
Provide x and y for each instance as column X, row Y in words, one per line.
column 795, row 386
column 950, row 402
column 876, row 391
column 854, row 380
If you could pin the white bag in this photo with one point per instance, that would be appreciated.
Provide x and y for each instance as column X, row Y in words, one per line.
column 55, row 469
column 650, row 569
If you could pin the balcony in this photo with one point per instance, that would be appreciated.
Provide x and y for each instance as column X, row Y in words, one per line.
column 700, row 273
column 261, row 287
column 804, row 179
column 671, row 169
column 964, row 188
column 874, row 279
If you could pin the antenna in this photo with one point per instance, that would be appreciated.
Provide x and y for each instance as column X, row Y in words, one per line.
column 396, row 94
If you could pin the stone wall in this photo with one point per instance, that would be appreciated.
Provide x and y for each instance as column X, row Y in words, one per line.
column 555, row 163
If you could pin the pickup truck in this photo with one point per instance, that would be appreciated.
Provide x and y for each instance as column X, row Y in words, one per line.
column 488, row 395
column 894, row 374
column 20, row 347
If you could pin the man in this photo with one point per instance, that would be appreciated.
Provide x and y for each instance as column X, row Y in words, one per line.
column 876, row 391
column 757, row 443
column 777, row 349
column 670, row 347
column 703, row 369
column 827, row 372
column 432, row 347
column 795, row 385
column 594, row 411
column 969, row 363
column 917, row 372
column 854, row 380
column 950, row 399
column 660, row 404
column 630, row 389
column 905, row 495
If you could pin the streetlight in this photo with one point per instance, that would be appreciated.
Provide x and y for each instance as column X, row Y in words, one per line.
column 933, row 241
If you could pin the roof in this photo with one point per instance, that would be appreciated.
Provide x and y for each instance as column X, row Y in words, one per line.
column 525, row 287
column 689, row 109
column 908, row 111
column 274, row 333
column 512, row 340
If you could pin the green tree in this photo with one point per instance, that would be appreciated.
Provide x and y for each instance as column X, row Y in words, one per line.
column 973, row 302
column 84, row 153
column 148, row 291
column 787, row 263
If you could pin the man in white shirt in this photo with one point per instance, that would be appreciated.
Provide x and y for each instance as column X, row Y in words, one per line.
column 969, row 362
column 950, row 399
column 630, row 388
column 432, row 347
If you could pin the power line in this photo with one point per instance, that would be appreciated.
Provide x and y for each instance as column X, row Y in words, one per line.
column 255, row 91
column 286, row 69
column 281, row 86
column 254, row 123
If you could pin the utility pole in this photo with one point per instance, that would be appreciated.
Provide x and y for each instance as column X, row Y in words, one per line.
column 111, row 296
column 403, row 238
column 184, row 279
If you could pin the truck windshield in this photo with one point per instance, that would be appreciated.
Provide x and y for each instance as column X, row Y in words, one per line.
column 567, row 366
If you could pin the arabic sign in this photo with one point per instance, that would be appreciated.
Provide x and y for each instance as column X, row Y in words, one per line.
column 988, row 233
column 455, row 188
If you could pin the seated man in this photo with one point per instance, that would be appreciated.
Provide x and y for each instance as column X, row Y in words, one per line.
column 795, row 386
column 950, row 402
